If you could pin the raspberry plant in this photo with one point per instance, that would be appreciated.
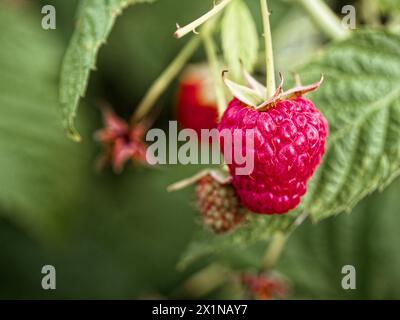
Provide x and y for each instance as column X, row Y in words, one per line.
column 358, row 98
column 360, row 153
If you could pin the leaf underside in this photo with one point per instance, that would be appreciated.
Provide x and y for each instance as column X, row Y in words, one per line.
column 39, row 167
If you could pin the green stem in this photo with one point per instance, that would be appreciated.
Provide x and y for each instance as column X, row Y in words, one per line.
column 325, row 18
column 163, row 81
column 370, row 12
column 269, row 55
column 216, row 70
column 206, row 280
column 274, row 250
column 277, row 244
column 182, row 31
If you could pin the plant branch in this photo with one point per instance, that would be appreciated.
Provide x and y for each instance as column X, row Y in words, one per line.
column 277, row 244
column 325, row 18
column 163, row 81
column 274, row 250
column 216, row 70
column 269, row 55
column 182, row 31
column 370, row 12
column 206, row 280
column 169, row 74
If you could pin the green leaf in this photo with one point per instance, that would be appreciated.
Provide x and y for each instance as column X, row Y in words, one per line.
column 94, row 23
column 296, row 33
column 389, row 6
column 239, row 38
column 39, row 167
column 360, row 99
column 367, row 239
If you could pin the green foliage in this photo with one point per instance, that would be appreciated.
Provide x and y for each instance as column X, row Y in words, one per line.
column 39, row 167
column 116, row 241
column 119, row 244
column 94, row 23
column 389, row 6
column 257, row 229
column 295, row 33
column 360, row 99
column 134, row 67
column 367, row 239
column 239, row 38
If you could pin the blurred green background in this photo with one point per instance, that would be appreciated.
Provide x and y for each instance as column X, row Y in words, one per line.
column 120, row 237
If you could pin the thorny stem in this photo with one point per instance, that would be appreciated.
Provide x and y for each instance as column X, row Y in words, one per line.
column 182, row 31
column 325, row 18
column 216, row 70
column 269, row 55
column 163, row 81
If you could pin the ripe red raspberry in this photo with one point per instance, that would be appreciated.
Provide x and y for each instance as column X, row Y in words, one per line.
column 220, row 208
column 265, row 286
column 196, row 102
column 289, row 141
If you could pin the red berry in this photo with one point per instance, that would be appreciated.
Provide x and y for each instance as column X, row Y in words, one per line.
column 265, row 286
column 220, row 208
column 289, row 141
column 196, row 102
